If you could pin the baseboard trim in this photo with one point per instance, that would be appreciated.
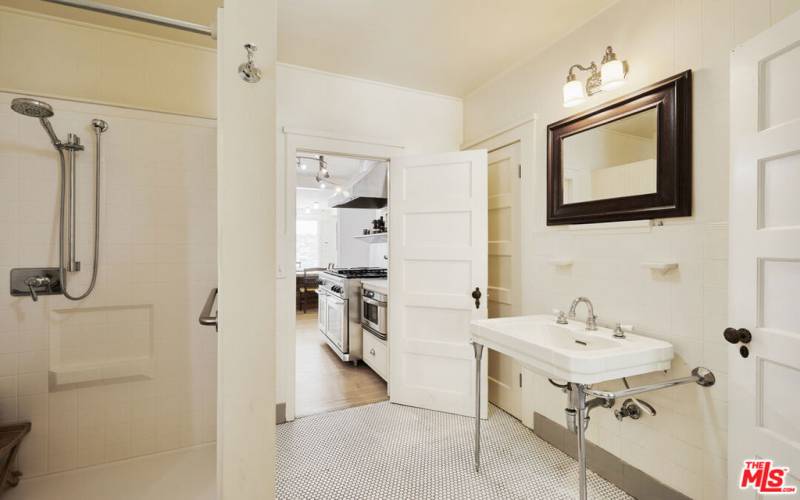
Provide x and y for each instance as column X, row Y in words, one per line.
column 280, row 413
column 611, row 468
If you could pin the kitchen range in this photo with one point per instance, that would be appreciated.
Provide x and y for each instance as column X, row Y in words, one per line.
column 340, row 317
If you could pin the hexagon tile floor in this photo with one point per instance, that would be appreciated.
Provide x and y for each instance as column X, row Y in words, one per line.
column 388, row 451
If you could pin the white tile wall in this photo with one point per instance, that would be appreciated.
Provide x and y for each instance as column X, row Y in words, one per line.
column 686, row 444
column 158, row 255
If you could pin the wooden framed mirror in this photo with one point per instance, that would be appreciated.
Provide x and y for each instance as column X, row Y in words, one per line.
column 628, row 159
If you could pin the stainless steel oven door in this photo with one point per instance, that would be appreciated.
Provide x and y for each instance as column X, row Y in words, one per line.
column 336, row 323
column 322, row 309
column 373, row 316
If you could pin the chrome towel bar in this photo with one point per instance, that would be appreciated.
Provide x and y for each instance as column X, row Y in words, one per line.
column 701, row 376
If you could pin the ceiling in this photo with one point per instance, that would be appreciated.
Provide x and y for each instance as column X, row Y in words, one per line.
column 444, row 46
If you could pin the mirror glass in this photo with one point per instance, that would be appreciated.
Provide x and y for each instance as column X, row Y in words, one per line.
column 612, row 160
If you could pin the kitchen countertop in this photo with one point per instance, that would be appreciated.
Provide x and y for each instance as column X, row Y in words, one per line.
column 377, row 285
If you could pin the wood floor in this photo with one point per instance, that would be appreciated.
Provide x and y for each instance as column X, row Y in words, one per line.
column 324, row 382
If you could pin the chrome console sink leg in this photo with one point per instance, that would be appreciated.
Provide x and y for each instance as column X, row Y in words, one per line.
column 478, row 348
column 578, row 396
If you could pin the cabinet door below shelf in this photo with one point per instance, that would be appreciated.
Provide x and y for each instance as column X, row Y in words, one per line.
column 376, row 354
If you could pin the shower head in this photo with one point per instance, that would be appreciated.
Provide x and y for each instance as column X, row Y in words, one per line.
column 37, row 109
column 31, row 107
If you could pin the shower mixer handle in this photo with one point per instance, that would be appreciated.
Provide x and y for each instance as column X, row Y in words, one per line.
column 35, row 282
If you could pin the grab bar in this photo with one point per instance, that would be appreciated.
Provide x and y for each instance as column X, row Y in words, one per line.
column 206, row 319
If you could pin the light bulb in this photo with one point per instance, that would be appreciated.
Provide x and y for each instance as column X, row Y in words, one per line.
column 303, row 166
column 574, row 93
column 338, row 189
column 322, row 185
column 612, row 74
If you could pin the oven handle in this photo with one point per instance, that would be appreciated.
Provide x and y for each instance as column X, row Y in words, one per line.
column 335, row 299
column 373, row 302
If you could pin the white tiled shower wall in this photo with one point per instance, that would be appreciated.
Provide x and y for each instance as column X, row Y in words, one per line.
column 685, row 445
column 157, row 264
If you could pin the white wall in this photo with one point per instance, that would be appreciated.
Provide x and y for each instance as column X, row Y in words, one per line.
column 157, row 264
column 56, row 57
column 352, row 221
column 339, row 109
column 685, row 445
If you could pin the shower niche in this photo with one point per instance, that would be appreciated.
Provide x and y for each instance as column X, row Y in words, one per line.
column 101, row 345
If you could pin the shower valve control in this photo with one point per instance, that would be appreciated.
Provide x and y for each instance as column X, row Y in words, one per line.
column 35, row 281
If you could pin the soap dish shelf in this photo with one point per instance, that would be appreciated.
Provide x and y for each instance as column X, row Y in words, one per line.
column 662, row 267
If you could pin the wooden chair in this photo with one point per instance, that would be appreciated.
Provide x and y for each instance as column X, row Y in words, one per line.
column 307, row 284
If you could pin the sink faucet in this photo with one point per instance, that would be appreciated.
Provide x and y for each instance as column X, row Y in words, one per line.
column 591, row 319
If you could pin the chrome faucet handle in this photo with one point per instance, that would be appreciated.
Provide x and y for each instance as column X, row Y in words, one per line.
column 35, row 282
column 620, row 329
column 561, row 317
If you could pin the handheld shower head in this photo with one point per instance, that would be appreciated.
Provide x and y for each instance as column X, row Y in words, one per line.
column 31, row 107
column 37, row 109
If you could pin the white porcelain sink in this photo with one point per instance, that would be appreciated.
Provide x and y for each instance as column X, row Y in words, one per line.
column 570, row 352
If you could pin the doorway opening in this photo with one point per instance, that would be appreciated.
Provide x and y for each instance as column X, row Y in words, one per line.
column 341, row 250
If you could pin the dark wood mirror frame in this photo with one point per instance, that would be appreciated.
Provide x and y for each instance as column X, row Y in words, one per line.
column 672, row 98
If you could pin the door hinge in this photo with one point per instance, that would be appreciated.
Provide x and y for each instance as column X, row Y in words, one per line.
column 520, row 379
column 519, row 170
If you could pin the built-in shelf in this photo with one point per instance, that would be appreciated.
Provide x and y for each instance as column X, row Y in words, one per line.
column 141, row 366
column 561, row 262
column 373, row 238
column 661, row 266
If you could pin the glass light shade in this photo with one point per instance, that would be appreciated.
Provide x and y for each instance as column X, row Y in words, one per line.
column 612, row 75
column 574, row 93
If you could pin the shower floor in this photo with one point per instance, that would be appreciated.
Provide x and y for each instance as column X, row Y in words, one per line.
column 187, row 474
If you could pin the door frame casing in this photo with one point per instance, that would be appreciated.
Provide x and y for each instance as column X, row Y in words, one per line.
column 290, row 141
column 523, row 132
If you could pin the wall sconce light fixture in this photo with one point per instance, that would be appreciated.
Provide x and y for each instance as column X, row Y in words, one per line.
column 610, row 75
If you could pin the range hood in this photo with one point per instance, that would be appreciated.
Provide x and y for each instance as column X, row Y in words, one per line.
column 367, row 190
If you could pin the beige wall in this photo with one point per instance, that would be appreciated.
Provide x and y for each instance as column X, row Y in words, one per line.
column 685, row 445
column 55, row 57
column 147, row 368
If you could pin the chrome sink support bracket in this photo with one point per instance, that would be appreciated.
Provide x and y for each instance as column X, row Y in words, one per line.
column 578, row 413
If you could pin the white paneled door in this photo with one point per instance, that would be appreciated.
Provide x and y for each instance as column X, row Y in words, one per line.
column 764, row 372
column 438, row 249
column 505, row 374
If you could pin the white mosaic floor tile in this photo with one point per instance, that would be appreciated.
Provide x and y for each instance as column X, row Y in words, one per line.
column 387, row 451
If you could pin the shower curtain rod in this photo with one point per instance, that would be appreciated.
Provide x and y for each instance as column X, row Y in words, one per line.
column 138, row 16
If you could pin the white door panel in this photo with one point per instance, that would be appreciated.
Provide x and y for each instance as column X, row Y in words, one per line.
column 438, row 241
column 765, row 252
column 505, row 374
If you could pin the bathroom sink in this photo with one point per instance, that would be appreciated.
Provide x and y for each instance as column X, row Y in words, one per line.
column 570, row 352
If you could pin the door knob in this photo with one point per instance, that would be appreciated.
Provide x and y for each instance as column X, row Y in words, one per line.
column 477, row 296
column 734, row 336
